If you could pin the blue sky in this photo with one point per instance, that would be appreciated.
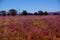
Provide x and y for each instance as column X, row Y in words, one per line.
column 30, row 5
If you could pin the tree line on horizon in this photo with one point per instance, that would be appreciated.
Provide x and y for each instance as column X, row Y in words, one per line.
column 13, row 12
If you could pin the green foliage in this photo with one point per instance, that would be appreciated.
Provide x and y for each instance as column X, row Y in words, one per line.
column 3, row 13
column 13, row 12
column 24, row 12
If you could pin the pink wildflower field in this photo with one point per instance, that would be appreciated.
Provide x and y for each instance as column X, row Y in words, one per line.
column 30, row 27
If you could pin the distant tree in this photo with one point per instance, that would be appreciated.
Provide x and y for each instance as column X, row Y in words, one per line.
column 24, row 12
column 45, row 13
column 13, row 12
column 8, row 14
column 56, row 13
column 0, row 13
column 3, row 13
column 40, row 12
column 30, row 13
column 35, row 13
